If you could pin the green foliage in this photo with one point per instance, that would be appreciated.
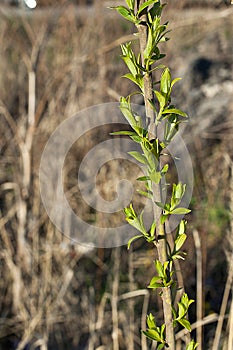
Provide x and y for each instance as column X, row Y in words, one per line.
column 137, row 222
column 181, row 312
column 164, row 277
column 192, row 345
column 154, row 332
column 142, row 66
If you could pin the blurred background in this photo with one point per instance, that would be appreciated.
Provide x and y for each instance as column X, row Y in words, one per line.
column 57, row 58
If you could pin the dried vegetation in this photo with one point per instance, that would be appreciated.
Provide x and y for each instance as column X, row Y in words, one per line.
column 55, row 295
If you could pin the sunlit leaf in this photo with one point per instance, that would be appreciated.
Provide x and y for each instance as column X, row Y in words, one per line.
column 174, row 111
column 124, row 12
column 131, row 240
column 180, row 241
column 165, row 82
column 138, row 156
column 180, row 211
column 145, row 5
column 185, row 323
column 151, row 321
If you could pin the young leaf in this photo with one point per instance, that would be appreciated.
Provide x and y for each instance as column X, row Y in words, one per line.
column 152, row 229
column 151, row 321
column 185, row 323
column 155, row 283
column 155, row 176
column 126, row 111
column 175, row 81
column 153, row 334
column 124, row 12
column 179, row 190
column 137, row 79
column 130, row 64
column 161, row 346
column 131, row 240
column 165, row 169
column 160, row 205
column 182, row 310
column 130, row 4
column 174, row 111
column 145, row 5
column 136, row 138
column 138, row 156
column 159, row 268
column 145, row 194
column 165, row 83
column 180, row 241
column 128, row 133
column 182, row 226
column 161, row 98
column 180, row 211
column 143, row 178
column 192, row 345
column 149, row 46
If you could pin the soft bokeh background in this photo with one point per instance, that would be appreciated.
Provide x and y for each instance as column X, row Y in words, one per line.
column 56, row 60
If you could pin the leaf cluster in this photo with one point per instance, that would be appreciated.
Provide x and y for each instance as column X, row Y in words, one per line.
column 155, row 332
column 180, row 315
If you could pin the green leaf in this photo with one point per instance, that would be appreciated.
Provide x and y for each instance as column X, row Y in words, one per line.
column 130, row 4
column 159, row 268
column 186, row 301
column 185, row 323
column 137, row 79
column 145, row 5
column 182, row 310
column 161, row 98
column 129, row 133
column 131, row 240
column 182, row 226
column 136, row 224
column 130, row 64
column 136, row 138
column 179, row 190
column 138, row 156
column 143, row 178
column 192, row 345
column 180, row 241
column 133, row 220
column 145, row 194
column 178, row 256
column 155, row 11
column 149, row 46
column 180, row 211
column 175, row 81
column 165, row 169
column 151, row 321
column 153, row 334
column 129, row 212
column 155, row 176
column 161, row 346
column 165, row 83
column 124, row 12
column 163, row 218
column 160, row 205
column 152, row 229
column 160, row 66
column 155, row 283
column 174, row 111
column 125, row 109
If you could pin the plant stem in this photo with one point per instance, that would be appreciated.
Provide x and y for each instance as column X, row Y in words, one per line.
column 166, row 294
column 161, row 244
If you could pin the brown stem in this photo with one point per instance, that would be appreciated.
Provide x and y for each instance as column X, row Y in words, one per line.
column 161, row 233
